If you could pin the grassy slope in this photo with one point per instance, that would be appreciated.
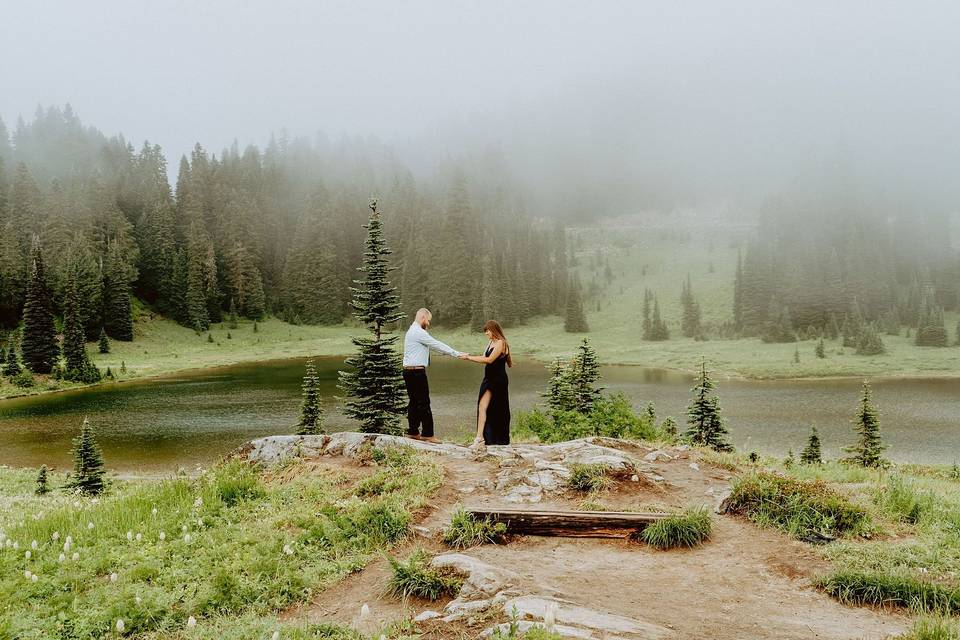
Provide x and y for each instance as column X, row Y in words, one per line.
column 231, row 548
column 653, row 258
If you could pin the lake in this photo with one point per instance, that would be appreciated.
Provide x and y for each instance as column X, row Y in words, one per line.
column 190, row 419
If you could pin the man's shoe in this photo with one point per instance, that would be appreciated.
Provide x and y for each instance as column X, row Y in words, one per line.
column 430, row 439
column 415, row 436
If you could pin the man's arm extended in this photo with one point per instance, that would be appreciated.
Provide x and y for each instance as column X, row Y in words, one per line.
column 427, row 340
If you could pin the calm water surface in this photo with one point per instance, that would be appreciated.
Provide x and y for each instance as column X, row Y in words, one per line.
column 193, row 418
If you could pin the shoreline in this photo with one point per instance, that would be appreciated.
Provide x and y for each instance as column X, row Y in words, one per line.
column 718, row 373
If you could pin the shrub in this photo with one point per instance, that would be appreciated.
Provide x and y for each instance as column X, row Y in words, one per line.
column 613, row 416
column 901, row 499
column 417, row 578
column 24, row 379
column 588, row 477
column 687, row 529
column 808, row 510
column 465, row 530
column 882, row 589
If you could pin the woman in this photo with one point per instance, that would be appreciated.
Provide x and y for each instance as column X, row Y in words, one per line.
column 493, row 404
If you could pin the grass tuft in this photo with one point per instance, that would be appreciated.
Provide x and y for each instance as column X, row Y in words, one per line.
column 888, row 590
column 935, row 628
column 688, row 529
column 904, row 501
column 588, row 478
column 808, row 510
column 466, row 531
column 415, row 577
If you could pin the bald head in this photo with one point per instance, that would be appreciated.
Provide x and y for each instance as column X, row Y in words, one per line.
column 423, row 317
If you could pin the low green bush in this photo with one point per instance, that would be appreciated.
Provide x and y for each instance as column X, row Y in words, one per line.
column 892, row 590
column 806, row 509
column 237, row 481
column 415, row 577
column 688, row 529
column 588, row 477
column 904, row 501
column 612, row 416
column 466, row 531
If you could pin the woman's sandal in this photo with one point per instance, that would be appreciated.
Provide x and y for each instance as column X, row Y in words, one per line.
column 478, row 444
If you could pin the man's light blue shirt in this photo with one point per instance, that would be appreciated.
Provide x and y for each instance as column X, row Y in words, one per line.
column 417, row 344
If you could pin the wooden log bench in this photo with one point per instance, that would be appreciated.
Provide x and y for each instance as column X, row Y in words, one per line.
column 575, row 524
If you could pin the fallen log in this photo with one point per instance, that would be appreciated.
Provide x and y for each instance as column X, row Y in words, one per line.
column 575, row 524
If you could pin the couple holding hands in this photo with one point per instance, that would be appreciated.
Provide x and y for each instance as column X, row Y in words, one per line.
column 493, row 402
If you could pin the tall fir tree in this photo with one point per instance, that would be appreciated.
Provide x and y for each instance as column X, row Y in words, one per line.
column 575, row 320
column 811, row 454
column 117, row 308
column 103, row 343
column 311, row 413
column 706, row 428
column 585, row 372
column 374, row 387
column 868, row 450
column 88, row 472
column 39, row 345
column 690, row 319
column 78, row 365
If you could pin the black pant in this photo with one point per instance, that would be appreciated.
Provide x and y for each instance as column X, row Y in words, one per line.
column 418, row 410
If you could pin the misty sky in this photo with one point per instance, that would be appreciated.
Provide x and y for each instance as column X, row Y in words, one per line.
column 713, row 98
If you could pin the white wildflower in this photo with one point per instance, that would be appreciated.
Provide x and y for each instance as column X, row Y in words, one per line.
column 113, row 577
column 187, row 538
column 27, row 554
column 198, row 502
column 137, row 599
column 287, row 550
column 184, row 528
column 75, row 557
column 364, row 611
column 34, row 577
column 120, row 625
column 76, row 504
column 163, row 536
column 138, row 537
column 61, row 558
column 276, row 635
column 153, row 511
column 90, row 526
column 55, row 536
column 69, row 541
column 191, row 622
column 129, row 535
column 34, row 545
column 16, row 545
column 27, row 574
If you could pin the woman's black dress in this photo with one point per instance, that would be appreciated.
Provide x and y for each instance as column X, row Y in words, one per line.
column 496, row 430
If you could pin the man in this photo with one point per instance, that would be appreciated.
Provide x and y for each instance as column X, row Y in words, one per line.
column 417, row 344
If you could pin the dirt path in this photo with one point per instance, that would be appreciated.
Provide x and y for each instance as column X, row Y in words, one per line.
column 744, row 583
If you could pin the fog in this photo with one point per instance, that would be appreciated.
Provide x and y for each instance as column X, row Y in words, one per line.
column 605, row 107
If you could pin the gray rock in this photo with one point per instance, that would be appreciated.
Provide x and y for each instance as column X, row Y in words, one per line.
column 654, row 456
column 426, row 615
column 695, row 466
column 481, row 579
column 570, row 613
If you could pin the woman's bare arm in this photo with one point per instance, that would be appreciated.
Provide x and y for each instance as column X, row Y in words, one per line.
column 497, row 350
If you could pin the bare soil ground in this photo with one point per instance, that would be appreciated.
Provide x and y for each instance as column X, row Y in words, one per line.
column 745, row 582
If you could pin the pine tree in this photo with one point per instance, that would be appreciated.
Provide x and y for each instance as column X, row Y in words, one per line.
column 789, row 460
column 560, row 395
column 42, row 487
column 669, row 428
column 647, row 310
column 375, row 385
column 585, row 372
column 869, row 342
column 74, row 346
column 868, row 450
column 117, row 309
column 575, row 320
column 650, row 413
column 657, row 328
column 811, row 454
column 703, row 415
column 738, row 295
column 690, row 319
column 311, row 413
column 39, row 345
column 796, row 354
column 820, row 351
column 11, row 366
column 232, row 315
column 103, row 343
column 88, row 474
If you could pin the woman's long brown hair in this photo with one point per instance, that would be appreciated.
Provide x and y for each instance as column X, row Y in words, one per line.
column 494, row 328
